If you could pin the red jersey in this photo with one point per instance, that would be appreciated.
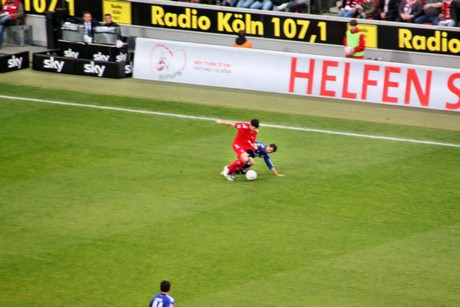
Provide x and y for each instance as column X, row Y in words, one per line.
column 445, row 10
column 245, row 137
column 11, row 8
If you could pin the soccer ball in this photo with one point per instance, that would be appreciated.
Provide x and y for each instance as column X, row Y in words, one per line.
column 251, row 175
column 349, row 50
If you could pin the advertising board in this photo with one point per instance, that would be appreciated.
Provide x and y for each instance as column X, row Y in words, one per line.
column 290, row 73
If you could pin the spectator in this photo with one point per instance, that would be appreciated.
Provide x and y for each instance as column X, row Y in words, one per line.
column 12, row 12
column 163, row 298
column 262, row 4
column 445, row 17
column 244, row 3
column 241, row 40
column 354, row 42
column 231, row 3
column 455, row 12
column 349, row 8
column 368, row 9
column 387, row 10
column 431, row 11
column 295, row 6
column 409, row 10
column 90, row 24
column 278, row 3
column 108, row 22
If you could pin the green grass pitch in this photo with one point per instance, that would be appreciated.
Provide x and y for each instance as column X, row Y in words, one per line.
column 98, row 206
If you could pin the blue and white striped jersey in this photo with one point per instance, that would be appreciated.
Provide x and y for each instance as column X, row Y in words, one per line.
column 162, row 300
column 262, row 154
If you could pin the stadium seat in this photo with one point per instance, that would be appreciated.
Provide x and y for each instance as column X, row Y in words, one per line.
column 18, row 35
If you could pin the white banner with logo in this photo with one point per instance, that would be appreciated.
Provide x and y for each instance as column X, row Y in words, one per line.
column 299, row 74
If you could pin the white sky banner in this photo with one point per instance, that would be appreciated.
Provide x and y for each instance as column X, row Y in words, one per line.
column 299, row 74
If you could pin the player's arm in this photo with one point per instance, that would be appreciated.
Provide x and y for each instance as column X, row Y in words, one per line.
column 253, row 145
column 223, row 122
column 275, row 172
column 271, row 166
column 362, row 44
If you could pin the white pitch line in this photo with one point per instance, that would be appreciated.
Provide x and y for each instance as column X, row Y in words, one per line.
column 368, row 136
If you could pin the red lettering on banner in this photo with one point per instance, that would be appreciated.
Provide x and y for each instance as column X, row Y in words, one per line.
column 366, row 81
column 387, row 84
column 305, row 75
column 346, row 78
column 412, row 78
column 326, row 77
column 454, row 89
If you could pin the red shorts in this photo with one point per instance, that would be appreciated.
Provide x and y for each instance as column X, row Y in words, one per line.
column 238, row 149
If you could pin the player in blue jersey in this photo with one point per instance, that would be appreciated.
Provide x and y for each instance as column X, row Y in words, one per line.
column 163, row 299
column 263, row 151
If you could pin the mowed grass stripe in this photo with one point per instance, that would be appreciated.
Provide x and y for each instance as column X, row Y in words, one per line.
column 385, row 138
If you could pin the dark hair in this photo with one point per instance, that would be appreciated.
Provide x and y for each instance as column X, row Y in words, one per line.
column 255, row 122
column 86, row 12
column 275, row 148
column 107, row 15
column 241, row 33
column 165, row 285
column 353, row 22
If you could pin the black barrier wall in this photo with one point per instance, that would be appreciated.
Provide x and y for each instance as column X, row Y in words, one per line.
column 107, row 53
column 82, row 59
column 292, row 27
column 12, row 62
column 53, row 61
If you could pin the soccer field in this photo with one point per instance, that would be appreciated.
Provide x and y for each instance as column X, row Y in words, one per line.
column 99, row 205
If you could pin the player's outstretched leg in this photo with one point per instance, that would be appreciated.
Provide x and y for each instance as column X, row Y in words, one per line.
column 226, row 174
column 236, row 165
column 244, row 169
column 225, row 171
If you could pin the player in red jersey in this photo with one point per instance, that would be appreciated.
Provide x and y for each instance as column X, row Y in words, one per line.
column 244, row 140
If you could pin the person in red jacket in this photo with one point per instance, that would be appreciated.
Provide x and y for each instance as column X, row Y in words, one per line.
column 446, row 16
column 12, row 11
column 354, row 42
